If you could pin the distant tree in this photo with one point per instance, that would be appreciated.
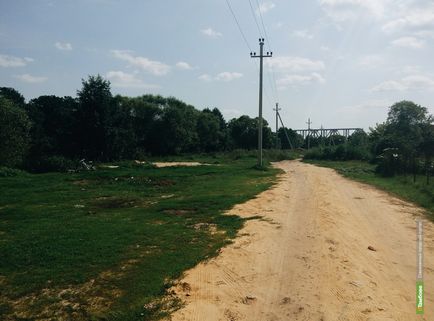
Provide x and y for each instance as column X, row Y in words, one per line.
column 427, row 147
column 94, row 115
column 358, row 138
column 403, row 134
column 14, row 133
column 12, row 95
column 208, row 131
column 144, row 111
column 176, row 130
column 54, row 122
column 243, row 133
column 296, row 139
column 120, row 135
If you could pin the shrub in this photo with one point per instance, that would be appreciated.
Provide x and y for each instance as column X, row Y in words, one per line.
column 52, row 164
column 8, row 172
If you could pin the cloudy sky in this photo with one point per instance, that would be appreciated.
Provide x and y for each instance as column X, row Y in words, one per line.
column 339, row 62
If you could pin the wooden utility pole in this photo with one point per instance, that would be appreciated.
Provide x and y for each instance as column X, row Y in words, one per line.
column 277, row 124
column 261, row 56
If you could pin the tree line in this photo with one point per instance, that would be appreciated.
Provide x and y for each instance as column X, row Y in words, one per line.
column 403, row 144
column 49, row 132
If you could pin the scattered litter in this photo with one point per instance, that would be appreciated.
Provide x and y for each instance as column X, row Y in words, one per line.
column 78, row 206
column 371, row 248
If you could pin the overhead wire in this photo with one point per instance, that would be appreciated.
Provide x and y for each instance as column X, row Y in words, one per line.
column 254, row 18
column 243, row 35
column 274, row 83
column 238, row 24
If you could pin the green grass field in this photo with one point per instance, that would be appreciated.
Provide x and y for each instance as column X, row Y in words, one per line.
column 402, row 186
column 107, row 244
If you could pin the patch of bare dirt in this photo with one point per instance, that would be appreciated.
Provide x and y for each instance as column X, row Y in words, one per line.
column 172, row 164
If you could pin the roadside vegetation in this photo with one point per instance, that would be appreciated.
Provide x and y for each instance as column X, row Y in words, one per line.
column 402, row 186
column 396, row 155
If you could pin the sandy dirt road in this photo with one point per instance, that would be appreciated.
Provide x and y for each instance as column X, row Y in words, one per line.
column 309, row 258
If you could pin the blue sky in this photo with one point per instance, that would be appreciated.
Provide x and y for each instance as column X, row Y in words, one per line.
column 339, row 62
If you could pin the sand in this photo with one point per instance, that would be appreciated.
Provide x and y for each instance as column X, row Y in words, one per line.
column 309, row 258
column 171, row 164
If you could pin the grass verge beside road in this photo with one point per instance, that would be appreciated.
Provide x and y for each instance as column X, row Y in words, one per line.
column 107, row 244
column 402, row 186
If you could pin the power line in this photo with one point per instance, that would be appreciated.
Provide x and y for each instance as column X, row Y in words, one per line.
column 274, row 83
column 263, row 26
column 254, row 18
column 238, row 24
column 247, row 43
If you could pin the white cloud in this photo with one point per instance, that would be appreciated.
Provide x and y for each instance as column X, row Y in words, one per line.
column 211, row 33
column 265, row 7
column 341, row 10
column 371, row 61
column 370, row 104
column 412, row 82
column 65, row 46
column 411, row 18
column 183, row 65
column 125, row 80
column 30, row 79
column 297, row 64
column 11, row 61
column 228, row 76
column 424, row 34
column 304, row 34
column 223, row 76
column 409, row 42
column 293, row 80
column 205, row 77
column 390, row 85
column 154, row 67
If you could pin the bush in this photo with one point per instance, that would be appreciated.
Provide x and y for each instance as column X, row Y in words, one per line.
column 242, row 153
column 338, row 153
column 274, row 155
column 52, row 164
column 8, row 172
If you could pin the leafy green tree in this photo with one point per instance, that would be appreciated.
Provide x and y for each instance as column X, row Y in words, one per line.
column 144, row 111
column 175, row 130
column 296, row 139
column 54, row 122
column 427, row 147
column 208, row 131
column 14, row 133
column 402, row 132
column 243, row 133
column 12, row 95
column 94, row 115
